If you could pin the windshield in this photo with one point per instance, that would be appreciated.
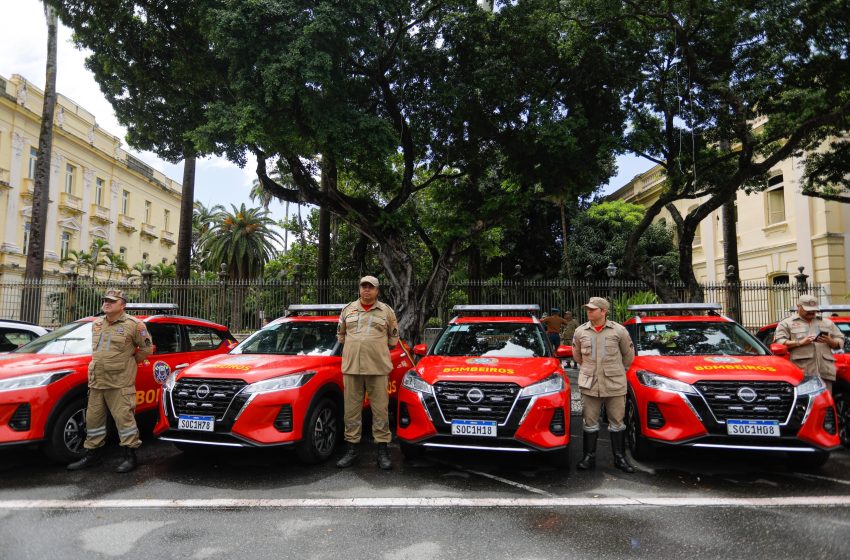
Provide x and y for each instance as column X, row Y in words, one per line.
column 293, row 338
column 73, row 338
column 696, row 339
column 845, row 330
column 505, row 340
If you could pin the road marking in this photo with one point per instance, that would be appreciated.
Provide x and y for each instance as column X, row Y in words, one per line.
column 507, row 481
column 548, row 502
column 818, row 477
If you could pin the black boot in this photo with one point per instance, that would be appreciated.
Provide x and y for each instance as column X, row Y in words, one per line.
column 618, row 448
column 349, row 458
column 589, row 459
column 130, row 463
column 384, row 460
column 92, row 458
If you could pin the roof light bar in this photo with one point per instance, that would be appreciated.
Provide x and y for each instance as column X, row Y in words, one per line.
column 497, row 309
column 675, row 307
column 164, row 308
column 836, row 307
column 317, row 308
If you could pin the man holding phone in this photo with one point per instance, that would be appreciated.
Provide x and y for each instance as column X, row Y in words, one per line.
column 810, row 340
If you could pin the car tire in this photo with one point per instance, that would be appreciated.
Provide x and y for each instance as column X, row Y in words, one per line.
column 559, row 458
column 68, row 433
column 808, row 461
column 842, row 407
column 411, row 450
column 640, row 448
column 321, row 433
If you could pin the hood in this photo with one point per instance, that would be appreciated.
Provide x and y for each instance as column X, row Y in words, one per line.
column 522, row 371
column 13, row 365
column 255, row 367
column 691, row 369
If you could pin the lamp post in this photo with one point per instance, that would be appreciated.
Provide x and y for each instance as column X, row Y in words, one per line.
column 611, row 271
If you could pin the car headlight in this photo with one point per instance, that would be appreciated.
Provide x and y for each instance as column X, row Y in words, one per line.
column 662, row 383
column 169, row 382
column 282, row 383
column 412, row 381
column 30, row 381
column 552, row 384
column 811, row 386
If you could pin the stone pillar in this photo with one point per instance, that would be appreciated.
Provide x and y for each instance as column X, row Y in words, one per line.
column 114, row 208
column 85, row 219
column 51, row 243
column 14, row 223
column 803, row 219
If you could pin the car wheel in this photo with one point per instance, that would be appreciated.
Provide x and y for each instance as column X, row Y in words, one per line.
column 321, row 433
column 68, row 433
column 639, row 446
column 808, row 461
column 411, row 450
column 559, row 458
column 842, row 407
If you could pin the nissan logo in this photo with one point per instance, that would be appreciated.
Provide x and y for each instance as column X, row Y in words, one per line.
column 475, row 395
column 747, row 394
column 202, row 391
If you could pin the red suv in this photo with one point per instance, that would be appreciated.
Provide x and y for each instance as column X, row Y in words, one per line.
column 841, row 389
column 491, row 381
column 282, row 386
column 705, row 381
column 43, row 384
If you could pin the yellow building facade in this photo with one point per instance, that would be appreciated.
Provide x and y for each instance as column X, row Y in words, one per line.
column 779, row 230
column 97, row 189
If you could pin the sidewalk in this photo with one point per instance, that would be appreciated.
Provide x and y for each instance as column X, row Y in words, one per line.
column 575, row 405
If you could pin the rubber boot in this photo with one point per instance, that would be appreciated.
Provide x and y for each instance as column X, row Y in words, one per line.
column 618, row 448
column 349, row 458
column 92, row 458
column 589, row 459
column 130, row 462
column 384, row 461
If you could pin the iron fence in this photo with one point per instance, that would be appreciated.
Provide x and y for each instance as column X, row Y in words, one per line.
column 244, row 305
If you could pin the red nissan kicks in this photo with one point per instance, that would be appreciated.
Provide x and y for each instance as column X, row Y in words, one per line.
column 704, row 381
column 282, row 386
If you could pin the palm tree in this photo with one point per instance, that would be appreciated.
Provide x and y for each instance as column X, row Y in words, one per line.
column 163, row 271
column 203, row 219
column 80, row 260
column 242, row 240
column 115, row 262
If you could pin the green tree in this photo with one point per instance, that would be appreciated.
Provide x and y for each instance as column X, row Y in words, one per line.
column 82, row 261
column 243, row 240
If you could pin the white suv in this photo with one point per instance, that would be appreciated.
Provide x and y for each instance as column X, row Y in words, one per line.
column 14, row 334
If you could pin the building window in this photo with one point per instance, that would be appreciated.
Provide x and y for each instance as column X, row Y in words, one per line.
column 148, row 206
column 125, row 203
column 26, row 237
column 166, row 216
column 98, row 191
column 65, row 246
column 33, row 159
column 70, row 173
column 775, row 195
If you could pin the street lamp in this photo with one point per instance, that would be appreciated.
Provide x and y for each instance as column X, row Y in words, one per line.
column 611, row 271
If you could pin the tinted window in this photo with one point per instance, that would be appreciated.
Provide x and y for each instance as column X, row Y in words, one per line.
column 696, row 339
column 73, row 338
column 845, row 330
column 766, row 336
column 165, row 337
column 202, row 338
column 506, row 340
column 292, row 338
column 11, row 339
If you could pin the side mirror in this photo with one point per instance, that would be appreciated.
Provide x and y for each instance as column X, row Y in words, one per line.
column 564, row 351
column 420, row 349
column 779, row 349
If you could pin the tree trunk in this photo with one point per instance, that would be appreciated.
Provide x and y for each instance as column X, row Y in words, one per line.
column 31, row 296
column 730, row 258
column 473, row 273
column 323, row 268
column 184, row 234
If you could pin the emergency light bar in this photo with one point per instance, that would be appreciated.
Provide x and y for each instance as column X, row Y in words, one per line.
column 647, row 307
column 839, row 307
column 163, row 308
column 318, row 308
column 498, row 309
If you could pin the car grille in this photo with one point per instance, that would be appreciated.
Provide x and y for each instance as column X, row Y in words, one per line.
column 188, row 399
column 498, row 398
column 773, row 399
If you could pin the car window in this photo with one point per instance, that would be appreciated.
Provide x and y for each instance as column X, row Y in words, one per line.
column 202, row 338
column 165, row 337
column 11, row 339
column 845, row 330
column 696, row 339
column 309, row 338
column 73, row 338
column 506, row 340
column 766, row 336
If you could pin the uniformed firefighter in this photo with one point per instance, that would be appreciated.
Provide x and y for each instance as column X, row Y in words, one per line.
column 553, row 324
column 568, row 330
column 367, row 330
column 810, row 340
column 604, row 351
column 119, row 344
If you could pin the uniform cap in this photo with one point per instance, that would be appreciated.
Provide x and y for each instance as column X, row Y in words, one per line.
column 370, row 280
column 598, row 303
column 808, row 303
column 114, row 295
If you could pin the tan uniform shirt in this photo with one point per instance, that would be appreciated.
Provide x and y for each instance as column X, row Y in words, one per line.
column 367, row 337
column 115, row 349
column 569, row 327
column 603, row 359
column 553, row 323
column 815, row 358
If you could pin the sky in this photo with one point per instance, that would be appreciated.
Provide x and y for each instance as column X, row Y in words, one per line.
column 23, row 46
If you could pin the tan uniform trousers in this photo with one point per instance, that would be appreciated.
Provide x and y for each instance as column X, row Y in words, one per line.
column 121, row 403
column 615, row 408
column 356, row 387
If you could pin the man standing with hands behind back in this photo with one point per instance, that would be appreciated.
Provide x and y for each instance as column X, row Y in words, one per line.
column 367, row 329
column 119, row 344
column 810, row 340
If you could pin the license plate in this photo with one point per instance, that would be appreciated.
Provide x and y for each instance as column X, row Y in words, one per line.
column 481, row 428
column 758, row 428
column 196, row 423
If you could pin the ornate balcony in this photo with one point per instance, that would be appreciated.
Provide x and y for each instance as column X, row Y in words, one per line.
column 167, row 237
column 70, row 203
column 27, row 188
column 148, row 231
column 99, row 214
column 127, row 223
